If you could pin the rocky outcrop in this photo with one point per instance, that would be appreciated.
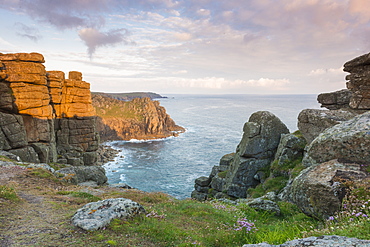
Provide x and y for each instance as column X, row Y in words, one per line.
column 319, row 190
column 349, row 141
column 83, row 174
column 141, row 118
column 322, row 241
column 43, row 116
column 353, row 101
column 359, row 81
column 96, row 215
column 290, row 148
column 335, row 100
column 311, row 122
column 254, row 154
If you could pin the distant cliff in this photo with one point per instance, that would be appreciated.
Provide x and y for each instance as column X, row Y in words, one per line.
column 43, row 116
column 130, row 96
column 141, row 118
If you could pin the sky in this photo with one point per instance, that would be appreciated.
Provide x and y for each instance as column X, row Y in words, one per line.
column 193, row 46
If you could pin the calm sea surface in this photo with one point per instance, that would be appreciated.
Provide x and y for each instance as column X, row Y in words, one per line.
column 214, row 125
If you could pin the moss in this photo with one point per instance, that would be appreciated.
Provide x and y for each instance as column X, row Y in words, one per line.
column 8, row 193
column 298, row 134
column 222, row 174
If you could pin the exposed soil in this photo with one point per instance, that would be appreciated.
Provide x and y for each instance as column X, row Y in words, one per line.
column 41, row 216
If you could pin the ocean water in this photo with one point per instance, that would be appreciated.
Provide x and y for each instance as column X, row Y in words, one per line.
column 214, row 126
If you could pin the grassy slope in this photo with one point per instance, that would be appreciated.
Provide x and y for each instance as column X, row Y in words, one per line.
column 39, row 210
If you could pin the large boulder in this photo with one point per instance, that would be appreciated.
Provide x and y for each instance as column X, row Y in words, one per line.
column 254, row 153
column 96, row 215
column 311, row 122
column 82, row 174
column 318, row 190
column 261, row 135
column 322, row 241
column 348, row 141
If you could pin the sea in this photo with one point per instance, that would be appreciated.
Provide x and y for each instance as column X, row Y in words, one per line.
column 214, row 127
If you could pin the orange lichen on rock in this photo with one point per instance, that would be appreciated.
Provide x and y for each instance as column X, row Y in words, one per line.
column 41, row 94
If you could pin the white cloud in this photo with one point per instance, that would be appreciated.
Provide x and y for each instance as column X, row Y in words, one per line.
column 320, row 72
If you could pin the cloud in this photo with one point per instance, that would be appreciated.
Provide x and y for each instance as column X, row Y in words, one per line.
column 31, row 33
column 319, row 72
column 93, row 38
column 222, row 83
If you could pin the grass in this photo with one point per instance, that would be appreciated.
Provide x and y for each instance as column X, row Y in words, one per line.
column 172, row 222
column 85, row 197
column 8, row 193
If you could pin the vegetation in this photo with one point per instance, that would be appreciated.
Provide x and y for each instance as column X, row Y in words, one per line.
column 168, row 221
column 8, row 193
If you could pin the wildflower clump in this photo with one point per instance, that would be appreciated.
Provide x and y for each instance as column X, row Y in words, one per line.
column 353, row 219
column 243, row 223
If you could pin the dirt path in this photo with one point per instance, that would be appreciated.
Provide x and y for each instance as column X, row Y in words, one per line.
column 35, row 217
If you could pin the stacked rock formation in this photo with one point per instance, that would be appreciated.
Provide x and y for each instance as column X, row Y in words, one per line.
column 359, row 81
column 43, row 116
column 244, row 169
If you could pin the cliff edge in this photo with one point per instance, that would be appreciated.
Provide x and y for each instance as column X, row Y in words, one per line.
column 45, row 117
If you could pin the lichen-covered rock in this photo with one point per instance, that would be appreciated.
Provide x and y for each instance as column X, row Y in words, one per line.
column 311, row 122
column 359, row 81
column 322, row 241
column 318, row 190
column 349, row 141
column 335, row 100
column 290, row 148
column 254, row 153
column 261, row 135
column 264, row 205
column 97, row 215
column 81, row 174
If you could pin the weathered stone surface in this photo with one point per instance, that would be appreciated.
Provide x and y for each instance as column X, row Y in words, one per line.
column 335, row 100
column 81, row 174
column 6, row 99
column 200, row 196
column 290, row 148
column 322, row 241
column 255, row 152
column 26, row 57
column 46, row 152
column 12, row 131
column 349, row 141
column 45, row 114
column 96, row 215
column 261, row 135
column 264, row 205
column 359, row 81
column 311, row 122
column 318, row 190
column 202, row 181
column 26, row 154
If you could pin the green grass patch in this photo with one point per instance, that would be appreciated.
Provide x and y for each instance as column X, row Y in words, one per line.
column 8, row 193
column 222, row 174
column 82, row 195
